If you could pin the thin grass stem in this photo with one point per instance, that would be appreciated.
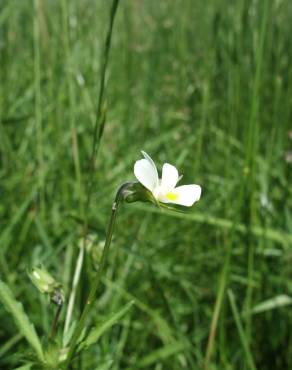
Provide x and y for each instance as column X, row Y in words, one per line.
column 55, row 322
column 100, row 113
column 38, row 103
column 96, row 282
column 242, row 335
column 74, row 290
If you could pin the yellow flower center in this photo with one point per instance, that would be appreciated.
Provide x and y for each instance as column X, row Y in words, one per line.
column 171, row 196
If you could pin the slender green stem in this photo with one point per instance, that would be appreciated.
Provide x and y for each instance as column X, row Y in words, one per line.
column 242, row 334
column 99, row 121
column 252, row 148
column 55, row 322
column 96, row 282
column 218, row 305
column 100, row 114
column 38, row 105
column 72, row 102
column 76, row 278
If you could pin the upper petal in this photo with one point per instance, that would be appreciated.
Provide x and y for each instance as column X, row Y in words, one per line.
column 169, row 177
column 185, row 195
column 146, row 172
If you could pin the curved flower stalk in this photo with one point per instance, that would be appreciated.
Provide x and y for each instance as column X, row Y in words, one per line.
column 164, row 190
column 123, row 191
column 149, row 188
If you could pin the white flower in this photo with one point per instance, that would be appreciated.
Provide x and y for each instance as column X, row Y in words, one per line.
column 164, row 190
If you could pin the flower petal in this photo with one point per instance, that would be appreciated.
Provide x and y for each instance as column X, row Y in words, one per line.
column 185, row 195
column 146, row 172
column 169, row 177
column 149, row 159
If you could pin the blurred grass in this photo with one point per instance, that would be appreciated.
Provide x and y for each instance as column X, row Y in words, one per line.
column 206, row 86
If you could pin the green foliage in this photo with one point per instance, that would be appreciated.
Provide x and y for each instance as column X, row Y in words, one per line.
column 241, row 332
column 25, row 327
column 206, row 86
column 24, row 367
column 96, row 332
column 281, row 300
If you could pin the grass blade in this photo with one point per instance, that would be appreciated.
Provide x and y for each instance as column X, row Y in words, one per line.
column 98, row 331
column 24, row 367
column 162, row 353
column 21, row 319
column 249, row 357
column 274, row 235
column 278, row 301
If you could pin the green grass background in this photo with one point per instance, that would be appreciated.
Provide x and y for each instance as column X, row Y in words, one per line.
column 205, row 85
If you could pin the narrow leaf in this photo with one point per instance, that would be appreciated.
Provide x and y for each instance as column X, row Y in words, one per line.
column 242, row 336
column 98, row 331
column 272, row 303
column 162, row 353
column 21, row 319
column 24, row 367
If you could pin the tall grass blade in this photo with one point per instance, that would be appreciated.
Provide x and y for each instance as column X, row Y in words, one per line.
column 21, row 319
column 278, row 301
column 242, row 335
column 98, row 331
column 172, row 349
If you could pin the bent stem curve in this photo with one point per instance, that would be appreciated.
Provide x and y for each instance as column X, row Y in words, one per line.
column 89, row 302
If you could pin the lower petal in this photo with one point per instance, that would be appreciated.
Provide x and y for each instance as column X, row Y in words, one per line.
column 185, row 195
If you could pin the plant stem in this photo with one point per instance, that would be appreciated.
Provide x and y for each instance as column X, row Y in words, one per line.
column 99, row 123
column 100, row 114
column 74, row 290
column 96, row 282
column 218, row 305
column 38, row 105
column 242, row 334
column 252, row 149
column 55, row 322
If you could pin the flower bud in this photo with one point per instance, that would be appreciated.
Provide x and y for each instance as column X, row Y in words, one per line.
column 45, row 283
column 135, row 192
